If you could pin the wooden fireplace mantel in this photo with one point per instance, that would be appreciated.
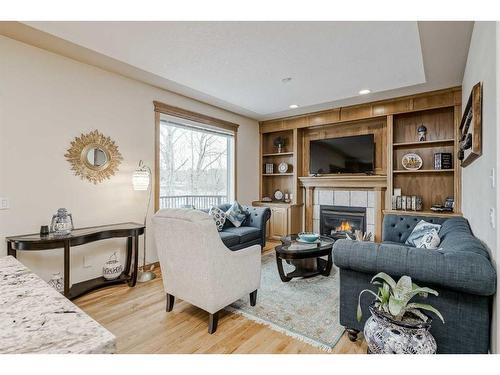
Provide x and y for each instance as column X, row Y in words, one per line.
column 374, row 182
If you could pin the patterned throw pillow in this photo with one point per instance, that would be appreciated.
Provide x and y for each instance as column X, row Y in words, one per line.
column 421, row 229
column 219, row 217
column 430, row 240
column 236, row 215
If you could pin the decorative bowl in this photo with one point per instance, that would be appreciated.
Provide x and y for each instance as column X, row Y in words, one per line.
column 308, row 236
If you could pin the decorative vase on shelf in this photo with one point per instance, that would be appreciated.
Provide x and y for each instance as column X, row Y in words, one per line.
column 112, row 269
column 387, row 336
column 57, row 282
column 279, row 143
column 62, row 223
column 422, row 133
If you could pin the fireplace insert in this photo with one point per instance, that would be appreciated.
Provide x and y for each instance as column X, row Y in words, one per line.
column 339, row 221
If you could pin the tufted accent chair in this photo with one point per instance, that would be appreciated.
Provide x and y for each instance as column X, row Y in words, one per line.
column 196, row 265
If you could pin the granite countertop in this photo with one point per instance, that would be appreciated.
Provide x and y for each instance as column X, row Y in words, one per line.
column 35, row 318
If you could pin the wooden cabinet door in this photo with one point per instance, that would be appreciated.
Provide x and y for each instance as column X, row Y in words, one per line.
column 279, row 220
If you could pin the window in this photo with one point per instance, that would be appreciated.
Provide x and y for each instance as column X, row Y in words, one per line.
column 196, row 163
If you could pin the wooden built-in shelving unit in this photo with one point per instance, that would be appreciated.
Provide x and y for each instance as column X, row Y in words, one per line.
column 276, row 174
column 286, row 182
column 285, row 217
column 405, row 171
column 433, row 185
column 394, row 124
column 278, row 154
column 424, row 213
column 438, row 142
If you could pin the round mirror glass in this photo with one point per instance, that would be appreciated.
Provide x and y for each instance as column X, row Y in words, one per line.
column 96, row 157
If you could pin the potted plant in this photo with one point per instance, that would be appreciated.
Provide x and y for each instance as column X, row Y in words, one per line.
column 279, row 143
column 398, row 325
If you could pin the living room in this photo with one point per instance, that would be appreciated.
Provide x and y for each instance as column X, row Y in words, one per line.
column 242, row 187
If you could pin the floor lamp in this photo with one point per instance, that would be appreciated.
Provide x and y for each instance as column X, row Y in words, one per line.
column 141, row 180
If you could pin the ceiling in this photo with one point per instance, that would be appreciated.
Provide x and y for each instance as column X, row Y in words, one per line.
column 240, row 66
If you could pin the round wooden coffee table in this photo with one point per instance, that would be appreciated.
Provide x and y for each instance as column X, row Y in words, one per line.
column 306, row 257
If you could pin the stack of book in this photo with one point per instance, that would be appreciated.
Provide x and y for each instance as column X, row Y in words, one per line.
column 443, row 160
column 269, row 168
column 407, row 203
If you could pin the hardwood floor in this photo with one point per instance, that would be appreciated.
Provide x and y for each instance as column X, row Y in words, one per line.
column 137, row 317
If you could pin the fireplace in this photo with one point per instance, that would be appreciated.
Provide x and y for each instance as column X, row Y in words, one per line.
column 337, row 221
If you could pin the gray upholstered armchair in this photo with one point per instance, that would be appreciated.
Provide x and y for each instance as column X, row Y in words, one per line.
column 460, row 270
column 198, row 268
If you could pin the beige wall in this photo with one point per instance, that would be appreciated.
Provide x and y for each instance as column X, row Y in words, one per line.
column 476, row 182
column 45, row 101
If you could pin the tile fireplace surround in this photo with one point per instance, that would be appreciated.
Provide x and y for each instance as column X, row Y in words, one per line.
column 348, row 198
column 345, row 190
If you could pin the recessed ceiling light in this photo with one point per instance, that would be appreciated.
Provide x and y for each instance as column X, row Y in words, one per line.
column 364, row 92
column 293, row 106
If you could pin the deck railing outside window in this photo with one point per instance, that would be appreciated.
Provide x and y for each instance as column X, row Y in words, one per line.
column 198, row 201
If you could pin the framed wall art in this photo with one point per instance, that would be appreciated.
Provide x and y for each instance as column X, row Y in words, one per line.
column 471, row 137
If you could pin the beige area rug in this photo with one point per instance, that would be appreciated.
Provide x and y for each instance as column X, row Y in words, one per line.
column 306, row 309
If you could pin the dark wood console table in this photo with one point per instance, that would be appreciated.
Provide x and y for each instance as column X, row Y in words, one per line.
column 35, row 242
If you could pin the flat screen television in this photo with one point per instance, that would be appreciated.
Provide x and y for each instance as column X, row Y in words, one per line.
column 342, row 155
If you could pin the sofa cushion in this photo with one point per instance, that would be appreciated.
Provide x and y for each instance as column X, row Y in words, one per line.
column 246, row 209
column 219, row 217
column 236, row 214
column 244, row 234
column 229, row 239
column 419, row 231
column 430, row 240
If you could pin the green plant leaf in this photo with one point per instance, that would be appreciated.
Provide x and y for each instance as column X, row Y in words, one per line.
column 426, row 290
column 385, row 277
column 359, row 312
column 384, row 294
column 421, row 291
column 418, row 289
column 423, row 306
column 396, row 306
column 403, row 288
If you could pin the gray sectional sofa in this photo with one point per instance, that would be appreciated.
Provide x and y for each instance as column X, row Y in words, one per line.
column 251, row 232
column 460, row 270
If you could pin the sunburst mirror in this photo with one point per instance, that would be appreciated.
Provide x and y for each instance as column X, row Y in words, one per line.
column 94, row 157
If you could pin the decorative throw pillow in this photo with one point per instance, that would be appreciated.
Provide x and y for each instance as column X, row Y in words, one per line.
column 421, row 229
column 219, row 217
column 236, row 215
column 430, row 240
